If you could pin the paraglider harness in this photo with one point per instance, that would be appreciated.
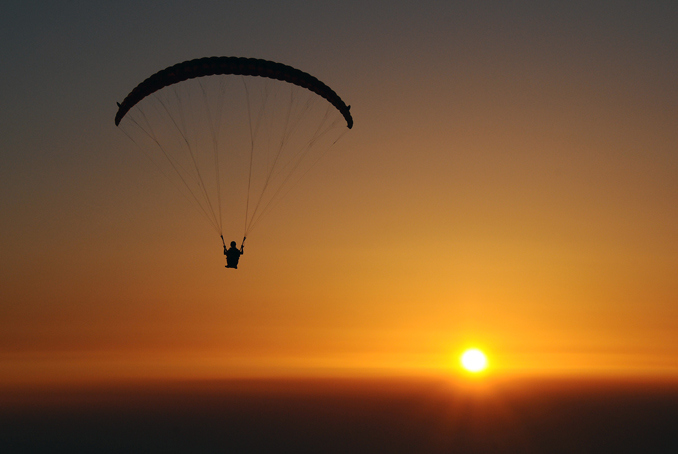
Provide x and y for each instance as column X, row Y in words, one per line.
column 232, row 254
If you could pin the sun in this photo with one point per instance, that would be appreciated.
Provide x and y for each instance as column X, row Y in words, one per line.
column 473, row 360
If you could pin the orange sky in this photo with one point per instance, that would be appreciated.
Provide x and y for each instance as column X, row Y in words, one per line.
column 509, row 187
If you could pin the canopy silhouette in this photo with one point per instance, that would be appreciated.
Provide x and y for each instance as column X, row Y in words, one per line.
column 210, row 66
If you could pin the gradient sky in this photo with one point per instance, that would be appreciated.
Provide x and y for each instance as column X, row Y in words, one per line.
column 511, row 183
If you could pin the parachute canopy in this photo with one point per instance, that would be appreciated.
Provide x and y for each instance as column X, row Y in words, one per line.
column 233, row 135
column 210, row 66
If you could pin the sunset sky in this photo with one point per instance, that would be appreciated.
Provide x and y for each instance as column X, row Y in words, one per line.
column 510, row 184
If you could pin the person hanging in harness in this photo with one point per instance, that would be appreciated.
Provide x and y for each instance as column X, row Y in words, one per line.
column 233, row 253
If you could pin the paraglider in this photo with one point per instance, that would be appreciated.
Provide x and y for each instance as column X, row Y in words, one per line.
column 233, row 253
column 233, row 134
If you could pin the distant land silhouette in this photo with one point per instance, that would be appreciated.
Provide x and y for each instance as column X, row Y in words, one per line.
column 345, row 416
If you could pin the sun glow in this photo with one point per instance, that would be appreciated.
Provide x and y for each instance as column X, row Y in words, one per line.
column 473, row 360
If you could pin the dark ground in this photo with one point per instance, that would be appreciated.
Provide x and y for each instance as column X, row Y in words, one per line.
column 345, row 416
